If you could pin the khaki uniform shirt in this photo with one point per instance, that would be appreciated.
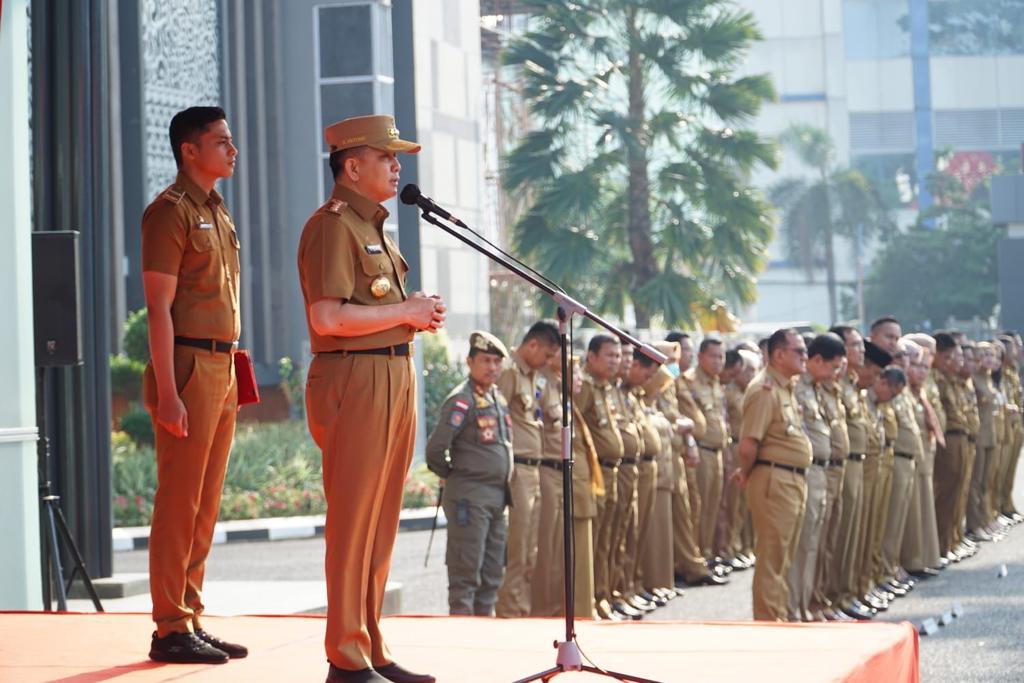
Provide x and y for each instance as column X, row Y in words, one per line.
column 472, row 440
column 594, row 402
column 815, row 424
column 931, row 392
column 626, row 411
column 985, row 391
column 523, row 388
column 831, row 403
column 876, row 425
column 342, row 252
column 734, row 410
column 551, row 405
column 857, row 422
column 709, row 395
column 642, row 417
column 189, row 234
column 890, row 425
column 688, row 407
column 970, row 400
column 908, row 437
column 587, row 481
column 770, row 415
column 951, row 398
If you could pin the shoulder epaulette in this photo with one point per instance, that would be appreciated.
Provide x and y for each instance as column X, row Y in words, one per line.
column 173, row 195
column 335, row 206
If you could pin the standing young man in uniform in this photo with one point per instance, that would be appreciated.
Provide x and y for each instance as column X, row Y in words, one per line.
column 471, row 450
column 190, row 277
column 361, row 386
column 774, row 456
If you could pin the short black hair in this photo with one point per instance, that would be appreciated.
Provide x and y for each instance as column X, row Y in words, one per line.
column 707, row 342
column 732, row 358
column 189, row 124
column 779, row 340
column 598, row 341
column 642, row 358
column 545, row 331
column 883, row 320
column 828, row 346
column 894, row 375
column 676, row 336
column 762, row 343
column 841, row 331
column 338, row 157
column 944, row 341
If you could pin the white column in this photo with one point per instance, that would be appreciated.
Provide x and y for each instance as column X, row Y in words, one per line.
column 20, row 575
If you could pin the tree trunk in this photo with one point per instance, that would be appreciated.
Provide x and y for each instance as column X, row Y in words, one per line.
column 638, row 214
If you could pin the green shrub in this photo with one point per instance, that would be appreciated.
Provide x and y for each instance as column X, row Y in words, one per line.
column 420, row 488
column 126, row 377
column 134, row 481
column 136, row 336
column 137, row 424
column 440, row 376
column 294, row 382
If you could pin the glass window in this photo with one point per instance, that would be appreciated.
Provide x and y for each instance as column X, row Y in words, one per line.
column 876, row 29
column 345, row 41
column 976, row 27
column 893, row 175
column 341, row 100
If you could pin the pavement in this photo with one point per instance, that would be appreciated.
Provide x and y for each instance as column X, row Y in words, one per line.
column 986, row 643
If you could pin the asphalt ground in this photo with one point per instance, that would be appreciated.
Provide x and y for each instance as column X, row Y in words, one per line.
column 985, row 644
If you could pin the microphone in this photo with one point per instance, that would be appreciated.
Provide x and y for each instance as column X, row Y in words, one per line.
column 412, row 195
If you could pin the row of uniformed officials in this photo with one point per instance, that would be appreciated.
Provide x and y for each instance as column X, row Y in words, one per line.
column 844, row 469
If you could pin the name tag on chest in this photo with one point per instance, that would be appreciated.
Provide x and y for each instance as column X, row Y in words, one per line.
column 205, row 226
column 374, row 249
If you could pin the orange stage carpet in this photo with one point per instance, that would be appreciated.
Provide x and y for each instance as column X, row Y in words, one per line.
column 89, row 648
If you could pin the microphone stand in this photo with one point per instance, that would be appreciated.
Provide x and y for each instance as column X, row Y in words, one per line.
column 569, row 657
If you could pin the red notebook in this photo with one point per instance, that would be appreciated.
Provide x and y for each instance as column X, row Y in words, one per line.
column 245, row 376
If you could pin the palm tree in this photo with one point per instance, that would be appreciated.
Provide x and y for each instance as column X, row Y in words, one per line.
column 837, row 201
column 636, row 172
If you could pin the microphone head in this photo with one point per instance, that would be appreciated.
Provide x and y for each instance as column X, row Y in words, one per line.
column 410, row 193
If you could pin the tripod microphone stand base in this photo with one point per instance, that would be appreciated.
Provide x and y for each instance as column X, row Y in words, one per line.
column 570, row 658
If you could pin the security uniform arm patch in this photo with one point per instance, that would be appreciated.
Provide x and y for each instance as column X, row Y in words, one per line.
column 458, row 415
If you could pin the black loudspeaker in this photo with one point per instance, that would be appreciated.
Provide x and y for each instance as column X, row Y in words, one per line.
column 57, row 302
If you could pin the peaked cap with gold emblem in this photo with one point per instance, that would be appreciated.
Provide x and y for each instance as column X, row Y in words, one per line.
column 377, row 131
column 487, row 343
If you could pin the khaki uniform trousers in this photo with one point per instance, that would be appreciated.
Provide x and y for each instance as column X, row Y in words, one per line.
column 696, row 505
column 190, row 479
column 647, row 489
column 475, row 553
column 921, row 539
column 361, row 411
column 977, row 496
column 803, row 569
column 949, row 466
column 583, row 577
column 657, row 560
column 869, row 500
column 825, row 581
column 880, row 518
column 847, row 560
column 521, row 556
column 603, row 530
column 687, row 560
column 729, row 518
column 997, row 468
column 624, row 540
column 904, row 477
column 709, row 478
column 963, row 491
column 546, row 585
column 777, row 500
column 1004, row 491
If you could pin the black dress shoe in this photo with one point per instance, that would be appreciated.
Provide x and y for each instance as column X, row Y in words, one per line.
column 654, row 598
column 857, row 614
column 710, row 580
column 397, row 674
column 925, row 573
column 863, row 608
column 624, row 609
column 337, row 675
column 234, row 651
column 185, row 648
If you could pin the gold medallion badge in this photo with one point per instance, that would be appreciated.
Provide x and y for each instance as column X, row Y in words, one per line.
column 380, row 286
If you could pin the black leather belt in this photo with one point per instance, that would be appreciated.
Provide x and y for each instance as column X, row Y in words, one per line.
column 396, row 350
column 553, row 464
column 802, row 471
column 648, row 458
column 211, row 345
column 531, row 462
column 857, row 457
column 628, row 461
column 610, row 464
column 705, row 447
column 907, row 456
column 820, row 462
column 955, row 432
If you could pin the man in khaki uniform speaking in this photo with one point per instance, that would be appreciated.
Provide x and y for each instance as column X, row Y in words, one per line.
column 361, row 386
column 471, row 450
column 523, row 384
column 190, row 277
column 774, row 456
